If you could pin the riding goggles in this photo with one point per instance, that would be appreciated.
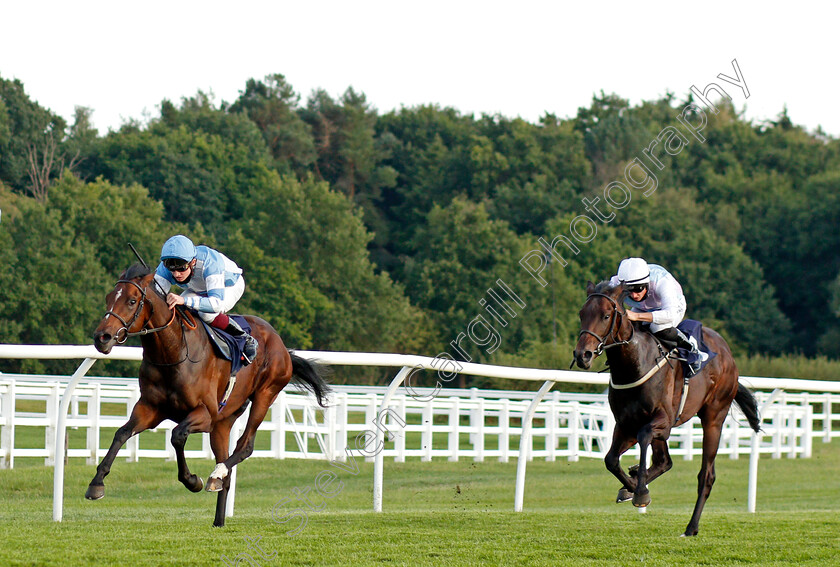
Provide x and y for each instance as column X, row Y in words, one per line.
column 636, row 288
column 176, row 265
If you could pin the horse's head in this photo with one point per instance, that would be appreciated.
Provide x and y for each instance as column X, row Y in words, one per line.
column 129, row 308
column 601, row 319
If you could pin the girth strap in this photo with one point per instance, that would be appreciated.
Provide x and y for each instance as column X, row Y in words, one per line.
column 229, row 389
column 683, row 398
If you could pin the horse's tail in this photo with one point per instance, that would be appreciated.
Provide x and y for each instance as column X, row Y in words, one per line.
column 311, row 375
column 748, row 404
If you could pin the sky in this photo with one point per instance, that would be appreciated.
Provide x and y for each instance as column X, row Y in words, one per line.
column 518, row 58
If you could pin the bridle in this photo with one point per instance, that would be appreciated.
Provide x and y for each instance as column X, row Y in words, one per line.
column 126, row 333
column 612, row 332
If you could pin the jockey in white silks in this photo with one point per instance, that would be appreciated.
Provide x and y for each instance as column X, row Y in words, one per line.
column 655, row 297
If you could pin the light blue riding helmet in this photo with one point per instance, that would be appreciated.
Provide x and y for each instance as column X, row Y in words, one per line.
column 180, row 247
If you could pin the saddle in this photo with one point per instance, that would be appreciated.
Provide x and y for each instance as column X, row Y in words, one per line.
column 693, row 332
column 226, row 345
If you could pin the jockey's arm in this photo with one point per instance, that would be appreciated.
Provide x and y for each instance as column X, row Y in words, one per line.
column 211, row 300
column 670, row 301
column 640, row 316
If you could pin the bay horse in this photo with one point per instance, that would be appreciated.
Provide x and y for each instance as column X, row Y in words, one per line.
column 182, row 379
column 646, row 404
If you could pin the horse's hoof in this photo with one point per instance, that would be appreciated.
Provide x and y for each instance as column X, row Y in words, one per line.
column 633, row 471
column 214, row 485
column 195, row 484
column 95, row 492
column 641, row 500
column 624, row 495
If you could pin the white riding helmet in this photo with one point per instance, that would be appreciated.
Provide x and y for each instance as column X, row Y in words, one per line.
column 633, row 271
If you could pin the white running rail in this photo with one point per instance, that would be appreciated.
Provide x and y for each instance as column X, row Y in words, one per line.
column 421, row 422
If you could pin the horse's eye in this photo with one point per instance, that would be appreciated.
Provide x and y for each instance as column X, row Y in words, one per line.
column 606, row 316
column 132, row 302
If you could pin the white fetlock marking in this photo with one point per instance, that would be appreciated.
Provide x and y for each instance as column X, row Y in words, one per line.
column 220, row 472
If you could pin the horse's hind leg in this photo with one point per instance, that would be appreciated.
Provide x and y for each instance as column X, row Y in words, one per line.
column 219, row 443
column 198, row 420
column 221, row 503
column 245, row 445
column 143, row 417
column 706, row 476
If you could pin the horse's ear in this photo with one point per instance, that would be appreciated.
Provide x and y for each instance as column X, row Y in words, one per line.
column 590, row 287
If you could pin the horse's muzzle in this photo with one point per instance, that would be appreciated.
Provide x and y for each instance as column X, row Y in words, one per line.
column 104, row 342
column 583, row 358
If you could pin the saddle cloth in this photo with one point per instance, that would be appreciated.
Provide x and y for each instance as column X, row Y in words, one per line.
column 227, row 346
column 693, row 330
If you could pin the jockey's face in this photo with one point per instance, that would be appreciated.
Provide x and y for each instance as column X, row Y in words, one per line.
column 637, row 292
column 182, row 275
column 639, row 295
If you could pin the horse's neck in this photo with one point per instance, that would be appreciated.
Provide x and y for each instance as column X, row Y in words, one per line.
column 167, row 345
column 636, row 357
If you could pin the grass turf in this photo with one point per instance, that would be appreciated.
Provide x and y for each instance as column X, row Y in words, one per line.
column 435, row 513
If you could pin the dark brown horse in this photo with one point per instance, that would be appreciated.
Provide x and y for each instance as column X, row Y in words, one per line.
column 182, row 379
column 645, row 410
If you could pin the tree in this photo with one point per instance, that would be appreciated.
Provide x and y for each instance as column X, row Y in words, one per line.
column 723, row 286
column 198, row 176
column 53, row 295
column 277, row 292
column 321, row 233
column 272, row 104
column 30, row 137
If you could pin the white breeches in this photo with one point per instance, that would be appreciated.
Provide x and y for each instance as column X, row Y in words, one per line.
column 677, row 314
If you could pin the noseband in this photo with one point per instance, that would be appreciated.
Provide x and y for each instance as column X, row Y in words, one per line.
column 612, row 332
column 127, row 325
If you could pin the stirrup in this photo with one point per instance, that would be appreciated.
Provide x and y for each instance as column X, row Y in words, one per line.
column 694, row 368
column 249, row 353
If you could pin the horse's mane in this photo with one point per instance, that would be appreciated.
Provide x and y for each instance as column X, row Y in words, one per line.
column 604, row 287
column 135, row 271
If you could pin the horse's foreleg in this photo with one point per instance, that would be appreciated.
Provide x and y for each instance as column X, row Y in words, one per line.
column 198, row 420
column 652, row 436
column 641, row 496
column 143, row 417
column 706, row 476
column 612, row 460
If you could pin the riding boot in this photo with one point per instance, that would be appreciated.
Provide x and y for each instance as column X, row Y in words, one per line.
column 250, row 351
column 674, row 335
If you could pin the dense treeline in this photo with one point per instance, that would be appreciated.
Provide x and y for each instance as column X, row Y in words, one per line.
column 404, row 231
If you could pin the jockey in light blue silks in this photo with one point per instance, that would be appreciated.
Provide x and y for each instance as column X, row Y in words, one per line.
column 655, row 297
column 212, row 284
